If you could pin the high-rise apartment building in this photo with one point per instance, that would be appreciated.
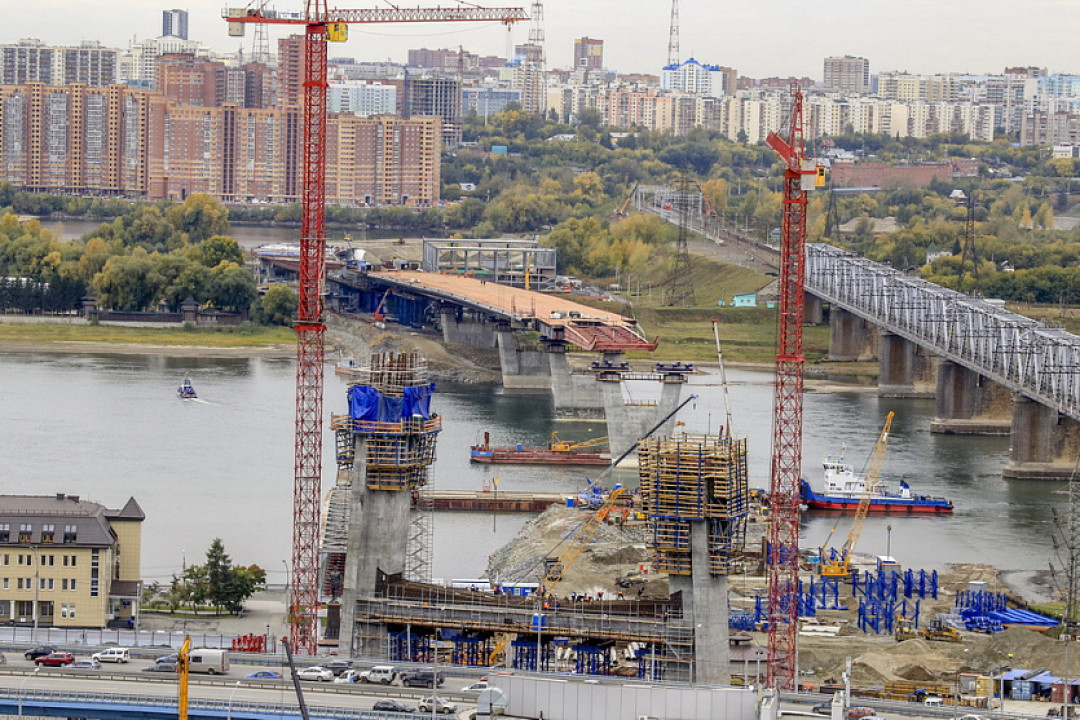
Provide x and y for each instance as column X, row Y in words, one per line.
column 847, row 75
column 588, row 53
column 693, row 77
column 123, row 141
column 362, row 99
column 174, row 23
column 187, row 80
column 32, row 61
column 291, row 70
column 436, row 96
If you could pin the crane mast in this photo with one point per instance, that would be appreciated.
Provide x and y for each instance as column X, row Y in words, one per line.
column 783, row 560
column 318, row 23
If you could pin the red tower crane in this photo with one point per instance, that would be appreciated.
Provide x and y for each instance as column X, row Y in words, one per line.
column 783, row 561
column 321, row 25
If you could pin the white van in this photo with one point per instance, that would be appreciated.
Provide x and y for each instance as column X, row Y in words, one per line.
column 212, row 661
column 113, row 655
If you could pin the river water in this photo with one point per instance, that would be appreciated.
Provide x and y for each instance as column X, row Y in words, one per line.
column 109, row 426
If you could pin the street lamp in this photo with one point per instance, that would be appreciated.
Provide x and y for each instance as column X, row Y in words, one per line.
column 888, row 541
column 23, row 684
column 228, row 709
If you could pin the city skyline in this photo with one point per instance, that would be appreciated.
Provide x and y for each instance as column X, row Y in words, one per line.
column 770, row 38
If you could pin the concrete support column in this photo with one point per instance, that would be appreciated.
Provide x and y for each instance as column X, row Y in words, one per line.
column 813, row 309
column 968, row 404
column 377, row 537
column 523, row 368
column 627, row 425
column 466, row 330
column 896, row 377
column 1044, row 443
column 706, row 607
column 849, row 335
column 577, row 395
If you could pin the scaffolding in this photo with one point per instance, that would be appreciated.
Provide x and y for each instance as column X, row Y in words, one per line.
column 694, row 478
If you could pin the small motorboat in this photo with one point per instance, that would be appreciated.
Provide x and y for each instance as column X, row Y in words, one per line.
column 186, row 391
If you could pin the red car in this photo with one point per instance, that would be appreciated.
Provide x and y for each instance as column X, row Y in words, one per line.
column 56, row 659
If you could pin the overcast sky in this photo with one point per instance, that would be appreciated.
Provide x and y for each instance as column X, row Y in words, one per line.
column 759, row 38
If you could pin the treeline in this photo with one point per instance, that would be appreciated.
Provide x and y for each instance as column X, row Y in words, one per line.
column 149, row 258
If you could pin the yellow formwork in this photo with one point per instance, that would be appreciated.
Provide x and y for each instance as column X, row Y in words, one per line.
column 694, row 478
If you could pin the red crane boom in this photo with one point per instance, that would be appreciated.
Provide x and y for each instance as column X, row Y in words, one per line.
column 783, row 561
column 310, row 326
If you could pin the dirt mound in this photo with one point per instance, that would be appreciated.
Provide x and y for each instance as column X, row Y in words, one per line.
column 613, row 550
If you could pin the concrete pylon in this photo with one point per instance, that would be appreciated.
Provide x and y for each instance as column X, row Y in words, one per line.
column 577, row 395
column 705, row 606
column 849, row 336
column 523, row 368
column 628, row 424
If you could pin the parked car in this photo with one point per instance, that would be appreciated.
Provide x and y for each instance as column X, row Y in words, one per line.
column 265, row 675
column 114, row 655
column 383, row 674
column 160, row 667
column 857, row 713
column 393, row 706
column 39, row 651
column 85, row 664
column 440, row 705
column 476, row 687
column 316, row 673
column 56, row 659
column 338, row 666
column 824, row 708
column 422, row 678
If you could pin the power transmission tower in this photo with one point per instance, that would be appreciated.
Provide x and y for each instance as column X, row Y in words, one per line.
column 832, row 219
column 673, row 35
column 687, row 199
column 260, row 50
column 968, row 252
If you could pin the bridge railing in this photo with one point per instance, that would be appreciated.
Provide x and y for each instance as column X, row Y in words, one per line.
column 1038, row 361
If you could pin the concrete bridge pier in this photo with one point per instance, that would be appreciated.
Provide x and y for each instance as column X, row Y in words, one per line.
column 628, row 423
column 850, row 337
column 1044, row 442
column 813, row 309
column 902, row 367
column 523, row 367
column 705, row 607
column 378, row 532
column 577, row 395
column 968, row 403
column 466, row 329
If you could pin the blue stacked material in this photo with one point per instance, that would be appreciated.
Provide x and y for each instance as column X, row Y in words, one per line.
column 1016, row 616
column 741, row 621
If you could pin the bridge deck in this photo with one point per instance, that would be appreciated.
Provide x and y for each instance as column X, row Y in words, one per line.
column 585, row 326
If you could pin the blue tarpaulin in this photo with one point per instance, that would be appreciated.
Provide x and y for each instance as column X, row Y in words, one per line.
column 367, row 403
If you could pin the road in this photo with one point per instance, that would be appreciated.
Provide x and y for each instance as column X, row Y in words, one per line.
column 19, row 674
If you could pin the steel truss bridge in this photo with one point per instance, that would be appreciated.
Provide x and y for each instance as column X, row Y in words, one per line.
column 1025, row 355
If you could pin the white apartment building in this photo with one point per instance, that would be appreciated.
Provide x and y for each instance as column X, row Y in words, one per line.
column 693, row 77
column 362, row 99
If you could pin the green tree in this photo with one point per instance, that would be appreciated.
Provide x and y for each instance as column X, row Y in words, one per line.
column 278, row 305
column 201, row 216
column 124, row 282
column 217, row 249
column 233, row 287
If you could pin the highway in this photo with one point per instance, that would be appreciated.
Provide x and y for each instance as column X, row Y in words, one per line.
column 19, row 675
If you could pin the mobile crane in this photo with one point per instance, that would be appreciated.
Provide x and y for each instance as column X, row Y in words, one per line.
column 839, row 564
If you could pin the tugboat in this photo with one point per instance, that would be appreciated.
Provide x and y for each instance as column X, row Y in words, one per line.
column 186, row 391
column 843, row 490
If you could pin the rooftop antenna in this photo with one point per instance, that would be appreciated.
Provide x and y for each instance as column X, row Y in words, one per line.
column 260, row 50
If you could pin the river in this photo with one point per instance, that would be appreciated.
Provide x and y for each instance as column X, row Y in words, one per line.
column 109, row 426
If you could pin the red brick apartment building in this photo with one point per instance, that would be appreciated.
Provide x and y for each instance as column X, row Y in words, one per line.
column 120, row 141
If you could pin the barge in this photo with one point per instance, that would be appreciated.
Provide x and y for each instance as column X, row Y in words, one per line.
column 557, row 452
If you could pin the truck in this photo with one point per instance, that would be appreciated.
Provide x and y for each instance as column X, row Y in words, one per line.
column 212, row 661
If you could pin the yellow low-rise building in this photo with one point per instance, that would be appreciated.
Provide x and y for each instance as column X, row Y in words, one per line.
column 67, row 562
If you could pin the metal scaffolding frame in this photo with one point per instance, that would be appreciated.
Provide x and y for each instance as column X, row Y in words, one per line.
column 1025, row 355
